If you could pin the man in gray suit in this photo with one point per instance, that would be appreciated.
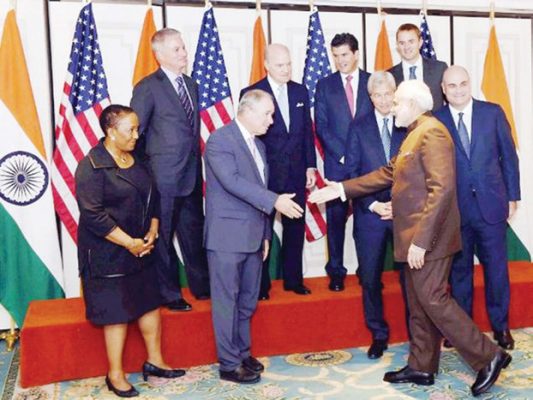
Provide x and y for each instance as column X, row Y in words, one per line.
column 238, row 229
column 167, row 105
column 414, row 66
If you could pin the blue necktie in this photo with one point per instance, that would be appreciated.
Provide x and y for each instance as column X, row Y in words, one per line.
column 184, row 99
column 412, row 74
column 386, row 138
column 463, row 134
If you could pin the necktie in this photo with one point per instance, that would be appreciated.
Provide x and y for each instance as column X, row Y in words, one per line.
column 412, row 74
column 184, row 99
column 349, row 94
column 386, row 138
column 463, row 134
column 257, row 158
column 283, row 104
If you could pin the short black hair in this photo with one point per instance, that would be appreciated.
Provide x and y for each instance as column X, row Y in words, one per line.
column 111, row 114
column 345, row 38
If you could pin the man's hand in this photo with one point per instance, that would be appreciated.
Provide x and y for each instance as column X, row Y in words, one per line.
column 513, row 205
column 415, row 256
column 310, row 175
column 330, row 192
column 287, row 207
column 384, row 210
column 266, row 248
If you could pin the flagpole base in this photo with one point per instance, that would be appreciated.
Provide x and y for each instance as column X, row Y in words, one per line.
column 11, row 338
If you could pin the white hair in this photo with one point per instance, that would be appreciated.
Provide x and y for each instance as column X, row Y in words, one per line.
column 160, row 36
column 379, row 78
column 250, row 99
column 417, row 91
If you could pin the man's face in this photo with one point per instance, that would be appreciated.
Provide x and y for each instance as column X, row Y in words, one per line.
column 345, row 59
column 278, row 65
column 259, row 117
column 382, row 97
column 408, row 45
column 457, row 88
column 173, row 54
column 403, row 111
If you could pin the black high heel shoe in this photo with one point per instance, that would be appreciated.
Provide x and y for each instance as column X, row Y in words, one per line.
column 132, row 392
column 151, row 369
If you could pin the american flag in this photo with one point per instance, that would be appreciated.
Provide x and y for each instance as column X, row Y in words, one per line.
column 427, row 49
column 316, row 67
column 209, row 72
column 85, row 95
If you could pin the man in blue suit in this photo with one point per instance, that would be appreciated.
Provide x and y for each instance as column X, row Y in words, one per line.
column 167, row 105
column 339, row 98
column 291, row 158
column 488, row 188
column 238, row 229
column 414, row 66
column 373, row 141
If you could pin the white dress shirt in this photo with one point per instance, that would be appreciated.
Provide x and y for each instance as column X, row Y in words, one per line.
column 172, row 78
column 419, row 71
column 250, row 142
column 467, row 117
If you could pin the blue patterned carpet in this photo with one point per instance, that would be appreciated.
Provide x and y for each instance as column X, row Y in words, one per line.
column 336, row 375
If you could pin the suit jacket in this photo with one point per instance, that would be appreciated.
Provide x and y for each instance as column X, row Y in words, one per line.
column 492, row 171
column 366, row 154
column 108, row 197
column 171, row 143
column 433, row 71
column 289, row 151
column 238, row 203
column 424, row 200
column 333, row 118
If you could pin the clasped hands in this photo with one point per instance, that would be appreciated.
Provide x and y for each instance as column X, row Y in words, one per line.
column 141, row 247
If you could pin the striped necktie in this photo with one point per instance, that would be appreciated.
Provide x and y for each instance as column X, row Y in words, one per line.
column 412, row 73
column 184, row 99
column 386, row 138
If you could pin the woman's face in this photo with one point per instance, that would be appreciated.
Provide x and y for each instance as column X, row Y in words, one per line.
column 125, row 132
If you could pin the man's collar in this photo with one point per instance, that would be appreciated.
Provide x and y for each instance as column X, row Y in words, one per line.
column 171, row 75
column 274, row 85
column 355, row 74
column 466, row 110
column 245, row 132
column 419, row 120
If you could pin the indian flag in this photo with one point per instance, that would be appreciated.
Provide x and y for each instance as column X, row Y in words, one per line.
column 30, row 260
column 494, row 88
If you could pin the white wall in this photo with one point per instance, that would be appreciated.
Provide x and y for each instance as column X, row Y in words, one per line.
column 119, row 28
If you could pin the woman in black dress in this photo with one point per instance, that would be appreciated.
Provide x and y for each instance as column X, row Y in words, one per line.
column 117, row 232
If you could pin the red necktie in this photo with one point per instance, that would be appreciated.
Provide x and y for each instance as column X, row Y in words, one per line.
column 349, row 94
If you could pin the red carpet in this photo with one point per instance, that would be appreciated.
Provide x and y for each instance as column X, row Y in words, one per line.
column 59, row 344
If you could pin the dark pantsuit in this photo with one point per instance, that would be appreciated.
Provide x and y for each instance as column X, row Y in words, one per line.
column 490, row 245
column 183, row 215
column 234, row 288
column 336, row 213
column 434, row 312
column 371, row 246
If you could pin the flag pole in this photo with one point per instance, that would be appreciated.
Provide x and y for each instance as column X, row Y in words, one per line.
column 13, row 5
column 149, row 3
column 424, row 7
column 10, row 336
column 492, row 12
column 311, row 5
column 258, row 7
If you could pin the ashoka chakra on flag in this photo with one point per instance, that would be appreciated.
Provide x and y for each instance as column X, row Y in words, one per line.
column 23, row 178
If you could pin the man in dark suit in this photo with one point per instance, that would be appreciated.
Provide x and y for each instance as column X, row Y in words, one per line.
column 238, row 230
column 339, row 98
column 488, row 186
column 291, row 158
column 426, row 236
column 414, row 66
column 373, row 141
column 167, row 105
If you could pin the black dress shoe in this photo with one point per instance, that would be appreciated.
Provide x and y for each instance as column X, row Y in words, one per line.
column 447, row 344
column 253, row 364
column 150, row 369
column 240, row 375
column 300, row 289
column 376, row 349
column 409, row 375
column 131, row 392
column 504, row 339
column 336, row 284
column 263, row 296
column 206, row 296
column 490, row 373
column 179, row 305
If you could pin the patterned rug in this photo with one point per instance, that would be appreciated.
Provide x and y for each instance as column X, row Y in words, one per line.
column 335, row 375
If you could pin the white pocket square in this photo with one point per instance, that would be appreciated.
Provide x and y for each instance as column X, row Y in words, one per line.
column 299, row 104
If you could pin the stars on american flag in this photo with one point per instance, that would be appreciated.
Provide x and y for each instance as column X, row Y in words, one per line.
column 427, row 49
column 316, row 58
column 209, row 69
column 89, row 82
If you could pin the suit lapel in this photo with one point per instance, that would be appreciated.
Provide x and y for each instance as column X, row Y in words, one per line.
column 375, row 137
column 450, row 123
column 476, row 126
column 237, row 134
column 169, row 89
column 361, row 92
column 339, row 94
column 397, row 138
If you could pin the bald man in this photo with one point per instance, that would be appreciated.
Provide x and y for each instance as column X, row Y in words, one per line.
column 488, row 188
column 291, row 158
